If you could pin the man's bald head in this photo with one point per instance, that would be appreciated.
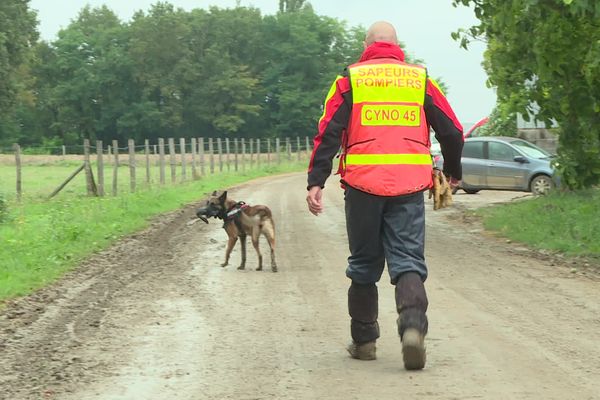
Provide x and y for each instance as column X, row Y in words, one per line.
column 381, row 32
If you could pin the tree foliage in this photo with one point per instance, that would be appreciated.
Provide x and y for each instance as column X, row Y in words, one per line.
column 291, row 5
column 502, row 122
column 546, row 54
column 17, row 34
column 175, row 73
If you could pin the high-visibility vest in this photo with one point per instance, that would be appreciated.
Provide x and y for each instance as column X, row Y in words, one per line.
column 386, row 147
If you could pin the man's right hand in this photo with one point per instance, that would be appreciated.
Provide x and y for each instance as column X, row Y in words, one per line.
column 314, row 200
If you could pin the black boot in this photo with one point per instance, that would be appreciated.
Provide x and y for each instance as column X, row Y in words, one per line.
column 362, row 306
column 411, row 303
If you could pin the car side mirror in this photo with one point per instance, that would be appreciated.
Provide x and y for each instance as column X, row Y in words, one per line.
column 520, row 159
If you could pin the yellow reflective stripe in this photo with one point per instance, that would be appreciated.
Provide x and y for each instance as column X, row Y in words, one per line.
column 329, row 96
column 388, row 83
column 386, row 159
column 437, row 86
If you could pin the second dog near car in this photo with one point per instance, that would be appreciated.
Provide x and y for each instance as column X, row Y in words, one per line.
column 239, row 221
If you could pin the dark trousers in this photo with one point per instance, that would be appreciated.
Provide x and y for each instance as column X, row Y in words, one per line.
column 385, row 229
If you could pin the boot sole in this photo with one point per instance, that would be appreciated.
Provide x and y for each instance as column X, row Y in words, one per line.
column 413, row 350
column 362, row 358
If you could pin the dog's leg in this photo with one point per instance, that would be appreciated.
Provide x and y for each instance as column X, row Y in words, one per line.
column 230, row 243
column 436, row 193
column 243, row 242
column 448, row 197
column 255, row 236
column 269, row 233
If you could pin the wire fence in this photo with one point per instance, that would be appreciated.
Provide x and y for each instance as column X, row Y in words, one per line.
column 110, row 168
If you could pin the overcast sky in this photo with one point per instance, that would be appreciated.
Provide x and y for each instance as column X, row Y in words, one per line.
column 423, row 25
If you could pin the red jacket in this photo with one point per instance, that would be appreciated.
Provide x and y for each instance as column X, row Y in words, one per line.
column 338, row 111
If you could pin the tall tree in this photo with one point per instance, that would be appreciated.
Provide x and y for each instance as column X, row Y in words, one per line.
column 309, row 52
column 223, row 90
column 546, row 54
column 17, row 36
column 292, row 5
column 86, row 77
column 171, row 72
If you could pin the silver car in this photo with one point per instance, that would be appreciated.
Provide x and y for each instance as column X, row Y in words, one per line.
column 506, row 163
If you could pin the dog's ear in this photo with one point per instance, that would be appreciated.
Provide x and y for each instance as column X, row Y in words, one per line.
column 214, row 193
column 223, row 196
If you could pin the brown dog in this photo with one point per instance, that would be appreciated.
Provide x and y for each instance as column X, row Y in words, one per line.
column 241, row 220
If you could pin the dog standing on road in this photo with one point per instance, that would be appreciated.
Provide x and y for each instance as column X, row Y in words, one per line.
column 239, row 221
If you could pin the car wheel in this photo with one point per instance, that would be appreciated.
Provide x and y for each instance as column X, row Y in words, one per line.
column 541, row 184
column 471, row 191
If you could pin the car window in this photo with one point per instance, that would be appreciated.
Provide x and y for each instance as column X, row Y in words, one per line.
column 501, row 152
column 530, row 150
column 473, row 149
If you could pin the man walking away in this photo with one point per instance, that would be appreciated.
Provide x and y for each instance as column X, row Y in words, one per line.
column 380, row 111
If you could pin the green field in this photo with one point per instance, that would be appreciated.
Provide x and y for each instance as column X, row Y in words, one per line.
column 41, row 240
column 565, row 222
column 41, row 175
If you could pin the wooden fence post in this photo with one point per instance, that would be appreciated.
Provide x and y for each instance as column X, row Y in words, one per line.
column 298, row 148
column 220, row 150
column 236, row 149
column 19, row 182
column 66, row 182
column 172, row 161
column 258, row 153
column 147, row 153
column 288, row 147
column 194, row 151
column 64, row 151
column 278, row 150
column 269, row 151
column 243, row 154
column 86, row 163
column 182, row 152
column 251, row 142
column 115, row 148
column 132, row 182
column 161, row 159
column 211, row 155
column 89, row 177
column 201, row 151
column 227, row 154
column 100, row 167
column 307, row 147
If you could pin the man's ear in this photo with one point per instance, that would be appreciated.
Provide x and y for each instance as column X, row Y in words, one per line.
column 223, row 196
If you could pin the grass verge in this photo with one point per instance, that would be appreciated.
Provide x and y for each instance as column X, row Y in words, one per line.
column 41, row 240
column 565, row 222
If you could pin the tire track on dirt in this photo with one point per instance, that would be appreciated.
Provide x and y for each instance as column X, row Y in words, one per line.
column 45, row 335
column 155, row 317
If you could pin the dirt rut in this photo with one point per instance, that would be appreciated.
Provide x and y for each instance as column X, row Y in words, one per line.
column 155, row 317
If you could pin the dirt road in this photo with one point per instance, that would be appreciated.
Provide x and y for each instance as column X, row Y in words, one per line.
column 155, row 317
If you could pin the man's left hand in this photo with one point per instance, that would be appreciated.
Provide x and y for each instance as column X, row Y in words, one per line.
column 454, row 183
